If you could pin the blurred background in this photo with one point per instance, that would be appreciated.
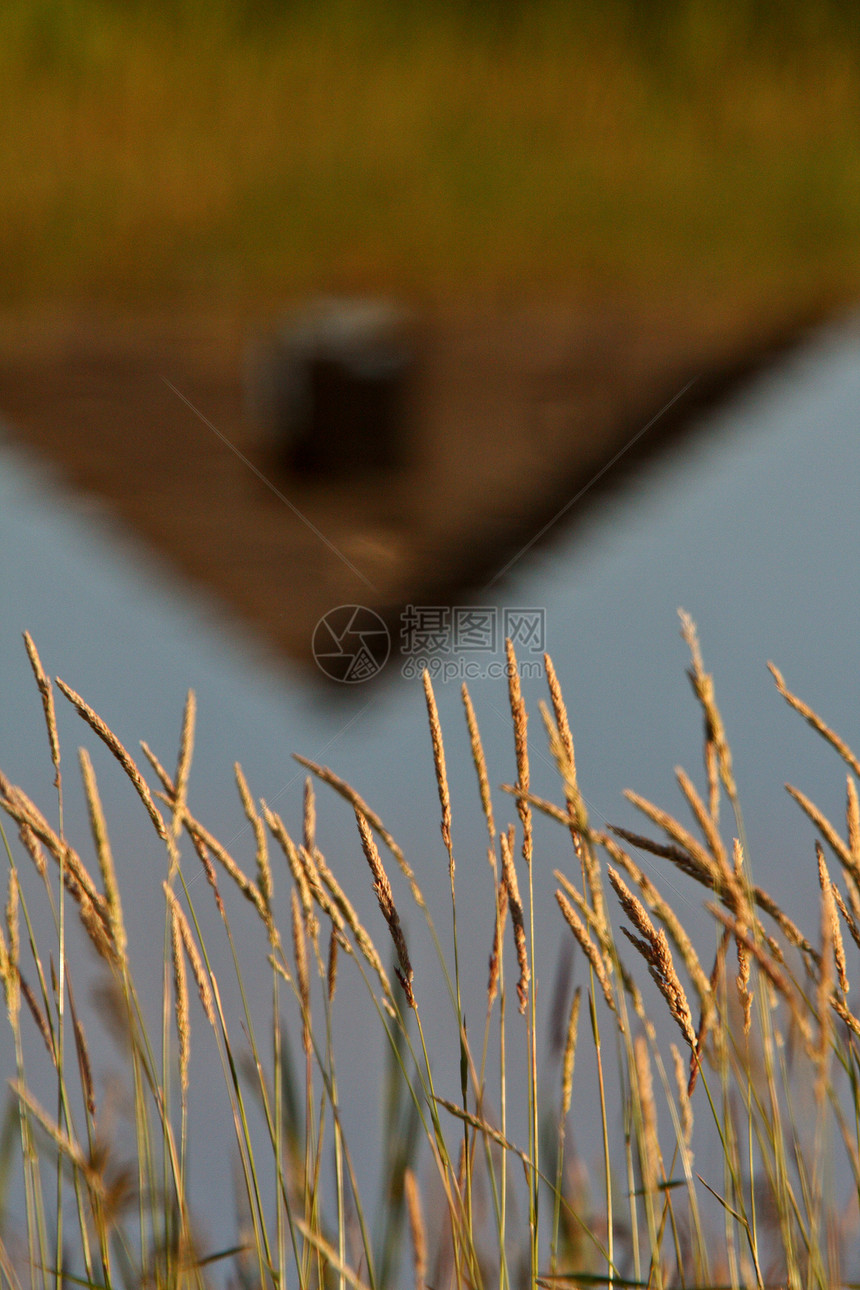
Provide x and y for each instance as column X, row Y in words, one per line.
column 243, row 151
column 581, row 207
column 611, row 225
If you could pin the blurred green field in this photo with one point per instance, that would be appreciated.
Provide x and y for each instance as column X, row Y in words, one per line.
column 233, row 151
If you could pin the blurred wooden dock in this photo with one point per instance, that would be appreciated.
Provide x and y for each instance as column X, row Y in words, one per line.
column 518, row 410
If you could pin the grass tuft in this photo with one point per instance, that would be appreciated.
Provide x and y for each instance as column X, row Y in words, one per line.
column 736, row 1163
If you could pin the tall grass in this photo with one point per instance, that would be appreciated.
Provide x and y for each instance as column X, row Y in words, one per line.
column 747, row 1038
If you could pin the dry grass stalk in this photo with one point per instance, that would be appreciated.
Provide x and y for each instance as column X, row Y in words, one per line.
column 104, row 854
column 733, row 893
column 13, row 951
column 698, row 858
column 852, row 815
column 569, row 1057
column 312, row 868
column 576, row 819
column 358, row 803
column 562, row 726
column 294, row 862
column 264, row 869
column 331, row 967
column 742, row 980
column 498, row 942
column 850, row 921
column 840, row 1007
column 576, row 809
column 656, row 952
column 83, row 1053
column 27, row 815
column 183, row 761
column 822, row 823
column 814, row 720
column 682, row 1084
column 521, row 747
column 706, row 1019
column 279, row 968
column 164, row 777
column 92, row 907
column 330, row 1257
column 649, row 1144
column 824, row 990
column 107, row 736
column 180, row 993
column 198, row 970
column 789, row 930
column 417, row 1229
column 561, row 719
column 712, row 771
column 385, row 897
column 704, row 818
column 484, row 1127
column 830, row 900
column 34, row 850
column 69, row 1149
column 441, row 770
column 777, row 978
column 47, row 692
column 98, row 932
column 480, row 764
column 576, row 925
column 301, row 961
column 10, row 953
column 703, row 688
column 678, row 857
column 598, row 926
column 309, row 815
column 248, row 888
column 209, row 870
column 37, row 1015
column 509, row 878
column 346, row 916
column 540, row 804
column 667, row 916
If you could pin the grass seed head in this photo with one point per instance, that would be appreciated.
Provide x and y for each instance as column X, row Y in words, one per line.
column 183, row 761
column 481, row 770
column 498, row 941
column 569, row 1058
column 439, row 763
column 180, row 991
column 47, row 693
column 509, row 878
column 382, row 888
column 301, row 961
column 654, row 947
column 521, row 748
column 107, row 736
column 417, row 1229
column 264, row 869
column 104, row 854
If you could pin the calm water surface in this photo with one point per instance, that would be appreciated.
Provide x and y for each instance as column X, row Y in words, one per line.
column 754, row 528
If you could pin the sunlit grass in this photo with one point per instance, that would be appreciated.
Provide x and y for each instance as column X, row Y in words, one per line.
column 246, row 152
column 756, row 1049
